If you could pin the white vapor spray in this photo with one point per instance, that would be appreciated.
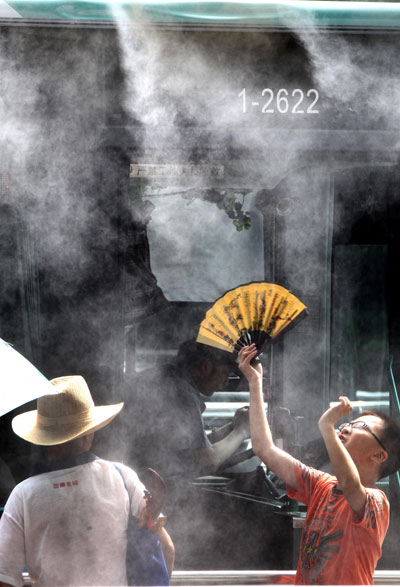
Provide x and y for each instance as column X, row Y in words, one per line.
column 277, row 110
column 274, row 110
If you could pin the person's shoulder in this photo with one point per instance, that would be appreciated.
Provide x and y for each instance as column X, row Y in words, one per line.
column 24, row 489
column 127, row 472
column 377, row 495
column 34, row 480
column 133, row 485
column 313, row 477
column 129, row 477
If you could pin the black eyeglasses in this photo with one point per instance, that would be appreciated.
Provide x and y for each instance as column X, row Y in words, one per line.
column 360, row 424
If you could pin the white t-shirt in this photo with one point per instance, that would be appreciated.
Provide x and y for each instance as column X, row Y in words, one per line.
column 69, row 526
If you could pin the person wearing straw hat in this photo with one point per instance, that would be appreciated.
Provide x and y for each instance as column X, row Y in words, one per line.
column 67, row 523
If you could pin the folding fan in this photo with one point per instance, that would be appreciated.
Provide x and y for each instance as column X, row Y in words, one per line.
column 251, row 313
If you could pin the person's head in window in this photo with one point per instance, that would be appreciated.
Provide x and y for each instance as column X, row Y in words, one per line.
column 208, row 367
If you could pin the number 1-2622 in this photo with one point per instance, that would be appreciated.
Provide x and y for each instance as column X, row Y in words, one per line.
column 295, row 102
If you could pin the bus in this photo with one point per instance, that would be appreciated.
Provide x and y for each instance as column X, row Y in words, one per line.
column 157, row 154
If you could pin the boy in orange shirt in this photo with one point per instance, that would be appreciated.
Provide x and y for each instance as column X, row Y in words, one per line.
column 347, row 517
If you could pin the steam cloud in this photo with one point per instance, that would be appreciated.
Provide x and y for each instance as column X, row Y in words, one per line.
column 175, row 85
column 46, row 140
column 175, row 81
column 180, row 87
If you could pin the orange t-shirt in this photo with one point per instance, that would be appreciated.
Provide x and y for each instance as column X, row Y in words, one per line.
column 337, row 548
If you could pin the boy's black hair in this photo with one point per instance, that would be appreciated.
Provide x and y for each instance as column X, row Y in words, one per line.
column 390, row 438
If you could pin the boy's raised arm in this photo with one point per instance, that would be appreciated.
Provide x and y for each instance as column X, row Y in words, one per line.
column 279, row 461
column 343, row 465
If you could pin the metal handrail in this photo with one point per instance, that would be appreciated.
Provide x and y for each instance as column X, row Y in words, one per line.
column 396, row 404
column 396, row 408
column 206, row 578
column 245, row 13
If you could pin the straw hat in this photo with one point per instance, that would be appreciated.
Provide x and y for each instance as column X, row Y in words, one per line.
column 65, row 415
